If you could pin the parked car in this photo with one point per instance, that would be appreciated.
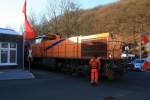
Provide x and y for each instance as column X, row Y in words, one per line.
column 137, row 64
column 124, row 55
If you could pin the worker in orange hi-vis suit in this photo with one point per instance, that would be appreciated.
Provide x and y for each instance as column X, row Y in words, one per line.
column 95, row 66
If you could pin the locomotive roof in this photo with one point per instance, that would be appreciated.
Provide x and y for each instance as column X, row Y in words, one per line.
column 47, row 35
column 102, row 35
column 41, row 36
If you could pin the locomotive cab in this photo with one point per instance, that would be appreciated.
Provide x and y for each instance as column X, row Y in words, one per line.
column 43, row 38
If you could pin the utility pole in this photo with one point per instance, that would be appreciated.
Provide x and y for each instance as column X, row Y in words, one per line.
column 141, row 41
column 127, row 51
column 140, row 48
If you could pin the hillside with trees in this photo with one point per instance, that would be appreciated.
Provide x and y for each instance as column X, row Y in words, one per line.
column 124, row 17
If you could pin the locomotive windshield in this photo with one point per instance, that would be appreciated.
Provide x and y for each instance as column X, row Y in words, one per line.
column 40, row 39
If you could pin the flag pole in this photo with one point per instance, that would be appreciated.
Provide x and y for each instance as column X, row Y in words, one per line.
column 27, row 35
column 23, row 49
column 24, row 11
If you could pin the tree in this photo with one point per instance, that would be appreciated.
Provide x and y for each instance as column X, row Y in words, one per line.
column 53, row 13
column 70, row 17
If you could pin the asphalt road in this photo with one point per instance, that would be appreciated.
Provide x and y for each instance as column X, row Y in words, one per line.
column 55, row 86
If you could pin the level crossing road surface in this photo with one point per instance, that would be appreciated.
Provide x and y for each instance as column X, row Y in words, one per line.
column 55, row 86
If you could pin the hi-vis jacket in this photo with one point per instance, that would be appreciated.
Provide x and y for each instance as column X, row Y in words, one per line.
column 94, row 63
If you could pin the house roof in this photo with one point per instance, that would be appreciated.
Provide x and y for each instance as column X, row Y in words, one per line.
column 8, row 31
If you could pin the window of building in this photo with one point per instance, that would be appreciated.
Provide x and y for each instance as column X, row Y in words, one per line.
column 8, row 53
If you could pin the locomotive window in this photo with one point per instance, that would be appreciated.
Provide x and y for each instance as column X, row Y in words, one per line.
column 41, row 39
column 38, row 40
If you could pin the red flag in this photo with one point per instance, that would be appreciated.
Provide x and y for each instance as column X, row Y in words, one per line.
column 29, row 32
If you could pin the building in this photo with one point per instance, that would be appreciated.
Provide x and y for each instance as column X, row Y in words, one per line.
column 11, row 49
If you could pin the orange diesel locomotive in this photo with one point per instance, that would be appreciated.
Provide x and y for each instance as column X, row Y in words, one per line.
column 72, row 54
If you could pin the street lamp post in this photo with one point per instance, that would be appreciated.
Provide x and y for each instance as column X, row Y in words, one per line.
column 127, row 50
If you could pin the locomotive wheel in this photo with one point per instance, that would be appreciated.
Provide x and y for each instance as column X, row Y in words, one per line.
column 110, row 75
column 108, row 72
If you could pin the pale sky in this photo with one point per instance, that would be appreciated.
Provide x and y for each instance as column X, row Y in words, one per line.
column 11, row 15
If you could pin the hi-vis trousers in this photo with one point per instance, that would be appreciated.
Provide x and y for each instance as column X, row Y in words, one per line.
column 94, row 76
